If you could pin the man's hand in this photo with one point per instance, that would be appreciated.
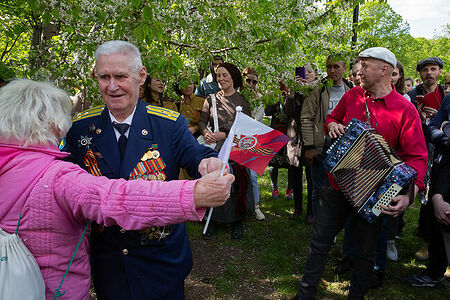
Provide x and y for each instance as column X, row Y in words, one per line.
column 429, row 111
column 310, row 155
column 335, row 130
column 441, row 209
column 212, row 190
column 422, row 115
column 211, row 164
column 401, row 203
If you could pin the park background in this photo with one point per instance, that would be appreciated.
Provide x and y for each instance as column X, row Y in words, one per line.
column 55, row 41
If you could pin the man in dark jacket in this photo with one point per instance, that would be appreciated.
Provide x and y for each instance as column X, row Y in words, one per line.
column 430, row 69
column 438, row 132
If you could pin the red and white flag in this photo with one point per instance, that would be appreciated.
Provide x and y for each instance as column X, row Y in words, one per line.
column 251, row 143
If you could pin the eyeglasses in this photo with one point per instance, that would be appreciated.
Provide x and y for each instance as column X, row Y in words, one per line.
column 250, row 81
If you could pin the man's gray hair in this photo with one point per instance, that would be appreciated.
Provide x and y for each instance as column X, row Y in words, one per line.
column 121, row 47
column 34, row 112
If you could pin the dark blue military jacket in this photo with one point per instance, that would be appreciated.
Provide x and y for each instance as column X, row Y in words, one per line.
column 143, row 264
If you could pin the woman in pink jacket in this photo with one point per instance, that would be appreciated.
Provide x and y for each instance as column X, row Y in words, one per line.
column 58, row 198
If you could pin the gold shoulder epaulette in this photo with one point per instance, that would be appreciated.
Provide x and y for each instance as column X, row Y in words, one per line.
column 91, row 112
column 162, row 112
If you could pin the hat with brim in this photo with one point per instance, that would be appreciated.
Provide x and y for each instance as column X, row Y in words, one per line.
column 429, row 61
column 380, row 53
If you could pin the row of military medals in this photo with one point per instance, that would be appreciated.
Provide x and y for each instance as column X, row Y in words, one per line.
column 150, row 167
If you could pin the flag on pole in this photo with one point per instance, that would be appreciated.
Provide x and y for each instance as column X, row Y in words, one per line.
column 251, row 143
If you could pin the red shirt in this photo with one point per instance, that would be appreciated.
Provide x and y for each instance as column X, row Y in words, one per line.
column 438, row 94
column 395, row 118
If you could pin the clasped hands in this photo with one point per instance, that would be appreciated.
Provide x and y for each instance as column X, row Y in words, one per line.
column 213, row 137
column 212, row 190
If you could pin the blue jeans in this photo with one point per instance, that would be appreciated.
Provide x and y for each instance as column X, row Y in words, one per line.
column 253, row 189
column 333, row 213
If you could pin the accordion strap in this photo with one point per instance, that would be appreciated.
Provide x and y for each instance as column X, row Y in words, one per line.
column 367, row 112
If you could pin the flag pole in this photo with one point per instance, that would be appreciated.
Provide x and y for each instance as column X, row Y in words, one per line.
column 211, row 208
column 227, row 147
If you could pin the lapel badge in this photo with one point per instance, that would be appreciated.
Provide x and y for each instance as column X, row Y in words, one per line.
column 98, row 131
column 144, row 131
column 85, row 141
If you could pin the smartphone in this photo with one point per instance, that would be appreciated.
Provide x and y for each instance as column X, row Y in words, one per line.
column 300, row 71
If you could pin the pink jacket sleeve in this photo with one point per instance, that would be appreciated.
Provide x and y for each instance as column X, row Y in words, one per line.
column 133, row 205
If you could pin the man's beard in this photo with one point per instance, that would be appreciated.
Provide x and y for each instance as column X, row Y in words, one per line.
column 429, row 81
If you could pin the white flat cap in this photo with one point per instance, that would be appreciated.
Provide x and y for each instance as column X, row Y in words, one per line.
column 381, row 54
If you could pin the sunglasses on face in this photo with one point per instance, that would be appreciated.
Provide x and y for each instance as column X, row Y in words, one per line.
column 250, row 81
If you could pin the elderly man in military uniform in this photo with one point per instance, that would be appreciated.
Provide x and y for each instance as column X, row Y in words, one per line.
column 126, row 138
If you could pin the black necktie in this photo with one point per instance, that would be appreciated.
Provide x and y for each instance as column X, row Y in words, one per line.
column 121, row 128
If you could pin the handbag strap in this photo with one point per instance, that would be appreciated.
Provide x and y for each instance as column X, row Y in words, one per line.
column 58, row 292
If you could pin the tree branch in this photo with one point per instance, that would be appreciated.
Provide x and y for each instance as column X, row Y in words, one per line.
column 6, row 51
column 214, row 51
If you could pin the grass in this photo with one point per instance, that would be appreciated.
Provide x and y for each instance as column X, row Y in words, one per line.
column 267, row 263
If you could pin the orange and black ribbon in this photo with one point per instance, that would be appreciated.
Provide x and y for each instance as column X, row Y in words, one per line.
column 91, row 163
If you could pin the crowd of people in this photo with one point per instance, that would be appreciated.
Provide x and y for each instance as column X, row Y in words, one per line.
column 138, row 246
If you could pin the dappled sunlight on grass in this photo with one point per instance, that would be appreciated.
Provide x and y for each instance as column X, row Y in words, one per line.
column 268, row 262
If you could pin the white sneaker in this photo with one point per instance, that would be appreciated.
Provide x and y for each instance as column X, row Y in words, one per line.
column 391, row 251
column 259, row 215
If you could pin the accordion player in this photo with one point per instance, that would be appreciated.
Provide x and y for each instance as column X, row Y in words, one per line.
column 367, row 169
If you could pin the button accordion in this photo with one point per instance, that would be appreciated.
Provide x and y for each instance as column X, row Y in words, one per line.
column 367, row 169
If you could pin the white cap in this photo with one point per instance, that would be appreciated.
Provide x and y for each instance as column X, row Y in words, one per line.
column 381, row 54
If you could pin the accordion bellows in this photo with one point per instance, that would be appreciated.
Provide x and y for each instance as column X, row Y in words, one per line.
column 367, row 169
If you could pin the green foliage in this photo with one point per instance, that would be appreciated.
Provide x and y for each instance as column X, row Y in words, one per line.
column 271, row 35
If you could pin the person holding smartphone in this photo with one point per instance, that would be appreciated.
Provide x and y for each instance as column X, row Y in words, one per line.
column 294, row 154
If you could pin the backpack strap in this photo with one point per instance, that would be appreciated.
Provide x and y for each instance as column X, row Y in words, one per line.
column 58, row 292
column 18, row 222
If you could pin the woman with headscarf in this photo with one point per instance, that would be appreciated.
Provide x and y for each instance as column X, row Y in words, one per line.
column 56, row 199
column 228, row 98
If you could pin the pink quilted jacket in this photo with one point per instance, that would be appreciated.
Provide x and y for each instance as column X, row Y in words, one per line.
column 58, row 198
